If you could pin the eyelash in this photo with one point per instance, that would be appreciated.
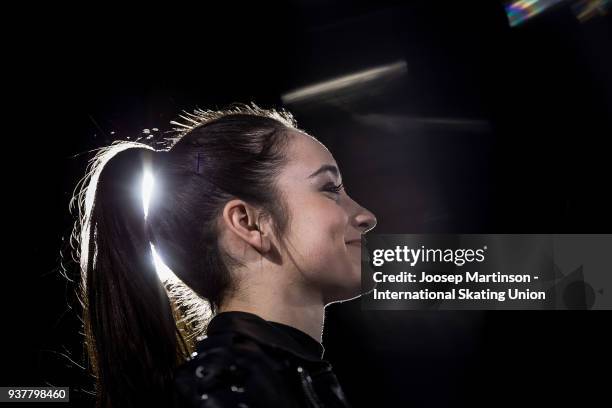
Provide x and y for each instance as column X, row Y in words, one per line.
column 333, row 188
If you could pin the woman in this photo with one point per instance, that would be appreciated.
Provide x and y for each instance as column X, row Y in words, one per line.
column 250, row 214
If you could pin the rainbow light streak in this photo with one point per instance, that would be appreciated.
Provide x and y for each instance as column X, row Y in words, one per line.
column 522, row 10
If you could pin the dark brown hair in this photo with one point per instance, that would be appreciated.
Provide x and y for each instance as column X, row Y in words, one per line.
column 130, row 321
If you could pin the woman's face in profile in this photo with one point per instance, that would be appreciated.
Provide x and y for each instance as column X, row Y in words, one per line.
column 323, row 221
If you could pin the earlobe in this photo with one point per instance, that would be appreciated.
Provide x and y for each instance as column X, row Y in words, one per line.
column 264, row 241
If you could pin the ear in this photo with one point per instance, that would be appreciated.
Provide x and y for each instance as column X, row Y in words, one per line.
column 243, row 221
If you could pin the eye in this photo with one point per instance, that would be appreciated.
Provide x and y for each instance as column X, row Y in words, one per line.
column 332, row 188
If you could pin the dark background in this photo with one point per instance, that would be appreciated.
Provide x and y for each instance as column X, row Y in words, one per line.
column 491, row 129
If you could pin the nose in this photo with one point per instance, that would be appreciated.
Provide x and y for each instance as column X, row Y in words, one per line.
column 365, row 219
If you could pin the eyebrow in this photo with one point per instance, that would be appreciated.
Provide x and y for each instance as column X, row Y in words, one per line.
column 326, row 167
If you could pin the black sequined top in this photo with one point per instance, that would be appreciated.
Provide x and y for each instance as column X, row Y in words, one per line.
column 246, row 361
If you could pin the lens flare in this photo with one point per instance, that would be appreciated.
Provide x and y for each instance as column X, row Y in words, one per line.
column 147, row 190
column 164, row 273
column 522, row 10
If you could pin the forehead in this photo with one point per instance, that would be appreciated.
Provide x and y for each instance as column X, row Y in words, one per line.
column 306, row 155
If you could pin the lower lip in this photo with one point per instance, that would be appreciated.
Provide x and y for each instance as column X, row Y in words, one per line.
column 354, row 243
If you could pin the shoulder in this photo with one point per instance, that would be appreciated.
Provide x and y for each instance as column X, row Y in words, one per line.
column 234, row 371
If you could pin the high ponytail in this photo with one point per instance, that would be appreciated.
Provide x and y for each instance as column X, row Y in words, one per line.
column 131, row 336
column 135, row 334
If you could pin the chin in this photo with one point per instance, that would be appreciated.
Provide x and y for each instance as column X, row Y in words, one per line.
column 344, row 298
column 344, row 293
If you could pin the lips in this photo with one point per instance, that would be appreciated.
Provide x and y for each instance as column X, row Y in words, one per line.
column 365, row 255
column 357, row 240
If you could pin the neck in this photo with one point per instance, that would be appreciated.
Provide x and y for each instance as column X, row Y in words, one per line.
column 308, row 319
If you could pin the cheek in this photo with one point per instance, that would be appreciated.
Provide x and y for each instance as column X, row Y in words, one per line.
column 324, row 260
column 320, row 232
